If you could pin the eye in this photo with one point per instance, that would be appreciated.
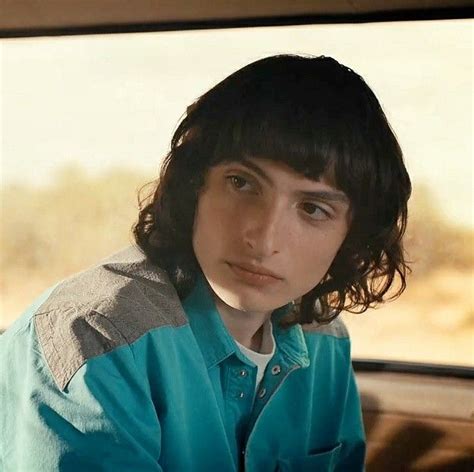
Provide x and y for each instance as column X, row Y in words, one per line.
column 238, row 182
column 314, row 211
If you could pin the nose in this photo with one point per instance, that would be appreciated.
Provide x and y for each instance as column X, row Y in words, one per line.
column 265, row 229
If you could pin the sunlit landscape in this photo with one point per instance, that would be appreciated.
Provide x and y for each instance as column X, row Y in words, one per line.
column 56, row 231
column 85, row 121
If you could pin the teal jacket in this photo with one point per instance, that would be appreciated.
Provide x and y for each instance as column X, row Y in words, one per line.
column 109, row 371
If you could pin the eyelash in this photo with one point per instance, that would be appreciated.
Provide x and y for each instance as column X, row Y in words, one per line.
column 233, row 178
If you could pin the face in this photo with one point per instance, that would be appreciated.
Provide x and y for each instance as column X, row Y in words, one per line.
column 265, row 235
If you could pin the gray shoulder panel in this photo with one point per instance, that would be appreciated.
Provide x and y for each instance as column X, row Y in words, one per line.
column 104, row 307
column 335, row 328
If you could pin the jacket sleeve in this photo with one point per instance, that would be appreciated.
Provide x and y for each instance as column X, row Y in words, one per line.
column 103, row 419
column 352, row 435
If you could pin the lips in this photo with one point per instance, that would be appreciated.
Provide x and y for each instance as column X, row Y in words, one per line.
column 257, row 270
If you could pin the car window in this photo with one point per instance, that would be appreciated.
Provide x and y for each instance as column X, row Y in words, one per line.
column 86, row 121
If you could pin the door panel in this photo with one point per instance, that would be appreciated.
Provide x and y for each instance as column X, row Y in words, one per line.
column 417, row 422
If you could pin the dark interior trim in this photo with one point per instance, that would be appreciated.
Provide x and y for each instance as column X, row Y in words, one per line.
column 398, row 15
column 371, row 365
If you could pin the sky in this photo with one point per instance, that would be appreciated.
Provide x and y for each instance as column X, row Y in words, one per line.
column 114, row 100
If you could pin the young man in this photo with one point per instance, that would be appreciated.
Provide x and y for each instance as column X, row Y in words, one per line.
column 214, row 343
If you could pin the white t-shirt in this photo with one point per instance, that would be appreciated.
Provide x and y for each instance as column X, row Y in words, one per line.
column 267, row 349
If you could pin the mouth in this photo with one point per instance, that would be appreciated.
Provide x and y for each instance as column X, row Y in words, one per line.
column 258, row 273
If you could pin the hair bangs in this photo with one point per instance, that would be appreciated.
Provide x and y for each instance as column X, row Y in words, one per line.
column 300, row 137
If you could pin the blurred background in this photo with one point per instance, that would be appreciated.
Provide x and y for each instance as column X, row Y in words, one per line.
column 86, row 121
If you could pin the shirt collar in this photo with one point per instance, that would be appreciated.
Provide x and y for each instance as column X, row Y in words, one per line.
column 290, row 341
column 267, row 348
column 214, row 339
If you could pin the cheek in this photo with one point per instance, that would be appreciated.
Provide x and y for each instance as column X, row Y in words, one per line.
column 201, row 229
column 210, row 224
column 311, row 258
column 218, row 216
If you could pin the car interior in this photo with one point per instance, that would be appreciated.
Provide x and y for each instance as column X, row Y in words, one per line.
column 418, row 416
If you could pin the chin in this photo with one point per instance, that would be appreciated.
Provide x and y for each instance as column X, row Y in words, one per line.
column 246, row 297
column 249, row 304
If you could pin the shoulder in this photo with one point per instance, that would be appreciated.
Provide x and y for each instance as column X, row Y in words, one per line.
column 102, row 308
column 329, row 348
column 336, row 328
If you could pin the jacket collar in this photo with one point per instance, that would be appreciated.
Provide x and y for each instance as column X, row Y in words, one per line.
column 214, row 339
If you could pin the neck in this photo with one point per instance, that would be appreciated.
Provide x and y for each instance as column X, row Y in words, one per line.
column 245, row 327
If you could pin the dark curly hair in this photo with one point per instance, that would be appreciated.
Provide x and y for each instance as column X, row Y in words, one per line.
column 320, row 118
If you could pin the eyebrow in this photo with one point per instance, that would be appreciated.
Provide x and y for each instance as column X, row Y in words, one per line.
column 329, row 195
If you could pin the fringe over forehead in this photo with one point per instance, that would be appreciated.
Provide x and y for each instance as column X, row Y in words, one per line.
column 314, row 114
column 310, row 113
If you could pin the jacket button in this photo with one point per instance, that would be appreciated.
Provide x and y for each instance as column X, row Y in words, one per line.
column 262, row 393
column 243, row 373
column 276, row 369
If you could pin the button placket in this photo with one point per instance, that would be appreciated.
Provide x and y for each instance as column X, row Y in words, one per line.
column 241, row 376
